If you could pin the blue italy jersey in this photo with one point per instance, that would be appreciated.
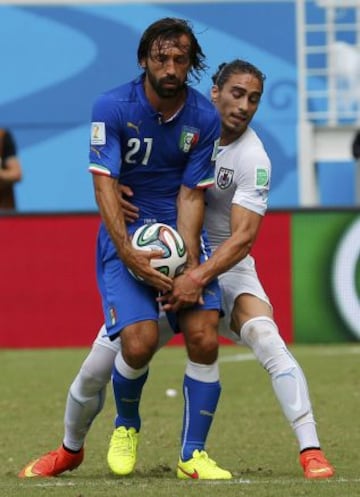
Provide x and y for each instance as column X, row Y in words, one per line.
column 131, row 142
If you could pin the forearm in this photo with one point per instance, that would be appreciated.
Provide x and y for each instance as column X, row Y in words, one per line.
column 245, row 225
column 107, row 198
column 189, row 224
column 138, row 261
column 223, row 258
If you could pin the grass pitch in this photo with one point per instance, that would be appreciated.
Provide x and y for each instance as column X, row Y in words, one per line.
column 249, row 435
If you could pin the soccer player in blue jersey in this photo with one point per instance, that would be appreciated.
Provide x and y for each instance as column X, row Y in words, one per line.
column 159, row 136
column 234, row 211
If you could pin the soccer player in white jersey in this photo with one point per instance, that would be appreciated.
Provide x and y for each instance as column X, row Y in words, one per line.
column 234, row 212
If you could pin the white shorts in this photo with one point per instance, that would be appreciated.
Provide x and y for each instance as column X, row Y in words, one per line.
column 103, row 340
column 242, row 278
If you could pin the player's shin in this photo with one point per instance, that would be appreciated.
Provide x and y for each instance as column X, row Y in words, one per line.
column 81, row 410
column 201, row 390
column 289, row 384
column 127, row 385
column 86, row 395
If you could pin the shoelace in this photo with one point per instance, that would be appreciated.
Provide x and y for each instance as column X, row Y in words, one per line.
column 121, row 448
column 205, row 458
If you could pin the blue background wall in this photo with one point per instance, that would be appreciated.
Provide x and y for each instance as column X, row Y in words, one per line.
column 59, row 58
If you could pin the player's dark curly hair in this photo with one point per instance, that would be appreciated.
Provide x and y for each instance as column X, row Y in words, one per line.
column 237, row 66
column 170, row 28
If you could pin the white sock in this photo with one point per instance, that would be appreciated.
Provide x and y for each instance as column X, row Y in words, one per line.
column 208, row 373
column 127, row 371
column 86, row 395
column 289, row 383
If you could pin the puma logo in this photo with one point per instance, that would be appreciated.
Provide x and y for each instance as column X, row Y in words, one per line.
column 129, row 124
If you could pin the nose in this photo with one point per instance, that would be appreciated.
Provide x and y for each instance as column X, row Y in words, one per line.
column 243, row 103
column 170, row 66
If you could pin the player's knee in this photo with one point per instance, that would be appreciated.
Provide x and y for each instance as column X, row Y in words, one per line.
column 203, row 345
column 137, row 354
column 86, row 385
column 262, row 336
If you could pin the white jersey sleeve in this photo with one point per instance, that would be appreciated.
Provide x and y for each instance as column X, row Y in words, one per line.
column 252, row 172
column 242, row 177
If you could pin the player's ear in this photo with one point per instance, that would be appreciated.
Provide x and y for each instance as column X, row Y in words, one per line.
column 143, row 64
column 214, row 93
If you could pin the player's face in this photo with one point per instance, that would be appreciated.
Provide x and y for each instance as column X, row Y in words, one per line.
column 167, row 66
column 237, row 102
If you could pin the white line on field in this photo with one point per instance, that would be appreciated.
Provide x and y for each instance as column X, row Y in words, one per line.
column 234, row 481
column 315, row 350
column 242, row 481
column 237, row 358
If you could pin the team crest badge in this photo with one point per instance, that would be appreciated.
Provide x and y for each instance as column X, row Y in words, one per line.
column 225, row 177
column 188, row 138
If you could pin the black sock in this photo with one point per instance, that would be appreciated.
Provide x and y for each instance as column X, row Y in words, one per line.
column 70, row 450
column 309, row 448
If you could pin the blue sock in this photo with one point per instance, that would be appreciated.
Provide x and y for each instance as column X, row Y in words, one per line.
column 127, row 398
column 200, row 405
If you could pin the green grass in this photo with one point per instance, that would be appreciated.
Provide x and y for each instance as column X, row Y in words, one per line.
column 249, row 435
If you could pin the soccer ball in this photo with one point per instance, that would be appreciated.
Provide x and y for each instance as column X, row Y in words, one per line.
column 162, row 236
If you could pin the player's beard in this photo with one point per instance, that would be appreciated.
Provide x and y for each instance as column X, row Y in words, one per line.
column 161, row 91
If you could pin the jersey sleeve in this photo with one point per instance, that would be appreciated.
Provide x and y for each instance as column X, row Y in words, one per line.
column 105, row 153
column 252, row 181
column 200, row 170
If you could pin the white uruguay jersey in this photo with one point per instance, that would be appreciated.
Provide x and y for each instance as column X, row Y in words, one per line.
column 242, row 177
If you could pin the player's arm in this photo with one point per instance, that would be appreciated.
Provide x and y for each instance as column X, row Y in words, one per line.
column 245, row 225
column 191, row 207
column 130, row 210
column 249, row 205
column 190, row 219
column 11, row 172
column 108, row 201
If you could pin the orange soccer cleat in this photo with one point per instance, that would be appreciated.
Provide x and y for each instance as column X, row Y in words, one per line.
column 315, row 464
column 52, row 464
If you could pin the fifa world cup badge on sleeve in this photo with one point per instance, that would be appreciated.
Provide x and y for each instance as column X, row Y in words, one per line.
column 98, row 134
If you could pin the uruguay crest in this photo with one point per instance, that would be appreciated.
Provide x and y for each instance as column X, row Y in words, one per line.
column 224, row 178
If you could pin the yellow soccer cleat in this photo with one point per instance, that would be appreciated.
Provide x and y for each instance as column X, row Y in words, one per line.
column 121, row 455
column 315, row 464
column 201, row 467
